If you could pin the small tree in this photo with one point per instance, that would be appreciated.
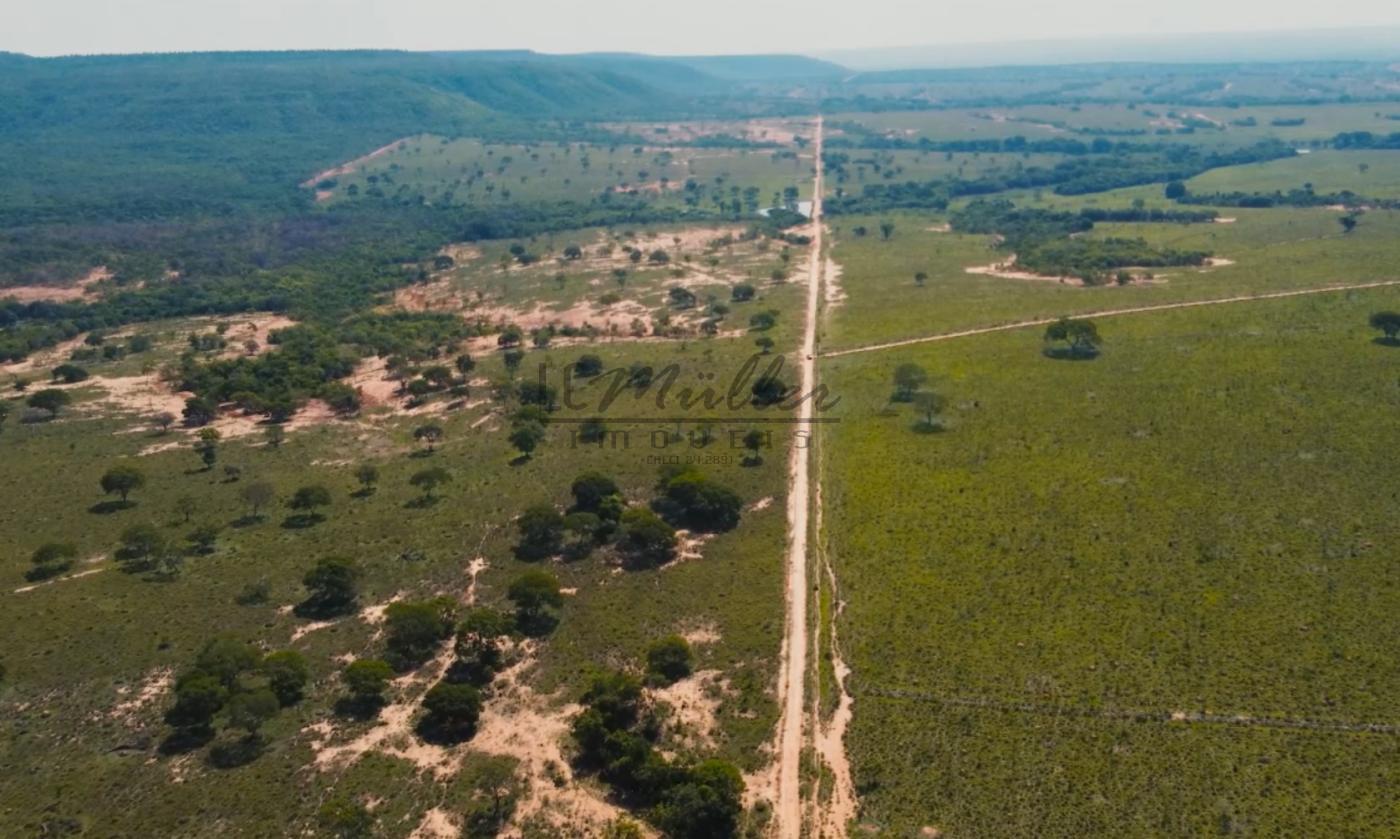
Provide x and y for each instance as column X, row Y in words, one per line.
column 453, row 710
column 204, row 537
column 534, row 594
column 51, row 559
column 207, row 446
column 275, row 435
column 1080, row 336
column 141, row 543
column 741, row 292
column 908, row 377
column 366, row 679
column 591, row 489
column 429, row 433
column 308, row 498
column 930, row 405
column 669, row 660
column 416, row 630
column 50, row 400
column 185, row 506
column 332, row 587
column 1348, row 222
column 368, row 475
column 527, row 437
column 647, row 541
column 886, row 229
column 1389, row 324
column 920, row 279
column 764, row 344
column 429, row 480
column 287, row 673
column 69, row 374
column 257, row 495
column 122, row 480
column 541, row 532
column 754, row 440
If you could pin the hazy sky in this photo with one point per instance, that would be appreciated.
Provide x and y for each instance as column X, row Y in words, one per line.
column 56, row 27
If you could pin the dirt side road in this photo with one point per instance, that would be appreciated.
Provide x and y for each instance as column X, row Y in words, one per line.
column 1244, row 298
column 791, row 687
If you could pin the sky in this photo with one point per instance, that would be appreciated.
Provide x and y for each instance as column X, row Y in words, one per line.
column 61, row 27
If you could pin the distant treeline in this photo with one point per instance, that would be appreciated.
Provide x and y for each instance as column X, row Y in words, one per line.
column 1076, row 176
column 1041, row 238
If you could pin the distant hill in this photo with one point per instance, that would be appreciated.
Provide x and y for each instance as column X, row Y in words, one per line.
column 148, row 136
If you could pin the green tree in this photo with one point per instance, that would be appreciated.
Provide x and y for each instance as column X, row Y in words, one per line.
column 541, row 532
column 428, row 433
column 929, row 404
column 198, row 697
column 287, row 674
column 429, row 480
column 708, row 802
column 308, row 498
column 185, row 506
column 257, row 495
column 332, row 587
column 754, row 442
column 646, row 541
column 50, row 400
column 590, row 490
column 527, row 437
column 207, row 446
column 204, row 537
column 346, row 819
column 479, row 643
column 453, row 710
column 534, row 594
column 1389, row 324
column 141, row 542
column 669, row 659
column 886, row 229
column 1080, row 336
column 368, row 475
column 366, row 680
column 69, row 374
column 416, row 630
column 908, row 377
column 122, row 480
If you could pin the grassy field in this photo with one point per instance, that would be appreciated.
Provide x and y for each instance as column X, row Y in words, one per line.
column 470, row 172
column 80, row 650
column 1213, row 126
column 1271, row 250
column 1197, row 521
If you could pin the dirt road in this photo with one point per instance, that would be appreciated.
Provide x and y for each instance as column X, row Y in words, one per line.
column 793, row 666
column 1244, row 298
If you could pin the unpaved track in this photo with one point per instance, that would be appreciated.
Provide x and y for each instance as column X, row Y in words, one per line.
column 793, row 665
column 1162, row 307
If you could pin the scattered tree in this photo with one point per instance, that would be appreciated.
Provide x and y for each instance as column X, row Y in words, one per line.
column 429, row 480
column 669, row 660
column 257, row 495
column 1389, row 324
column 50, row 400
column 535, row 593
column 332, row 588
column 122, row 480
column 1080, row 336
column 908, row 377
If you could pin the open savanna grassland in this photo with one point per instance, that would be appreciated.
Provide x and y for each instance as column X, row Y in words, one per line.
column 1215, row 126
column 1373, row 174
column 873, row 166
column 89, row 657
column 1271, row 250
column 472, row 172
column 705, row 260
column 1198, row 521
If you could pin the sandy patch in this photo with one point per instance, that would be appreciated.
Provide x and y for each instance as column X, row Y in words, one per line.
column 689, row 546
column 761, row 504
column 940, row 228
column 306, row 629
column 518, row 723
column 1218, row 262
column 695, row 705
column 249, row 336
column 394, row 735
column 43, row 360
column 77, row 291
column 350, row 166
column 835, row 294
column 31, row 587
column 437, row 823
column 155, row 686
column 1225, row 220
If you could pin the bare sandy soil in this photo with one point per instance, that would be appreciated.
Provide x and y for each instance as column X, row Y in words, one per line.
column 349, row 167
column 82, row 288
